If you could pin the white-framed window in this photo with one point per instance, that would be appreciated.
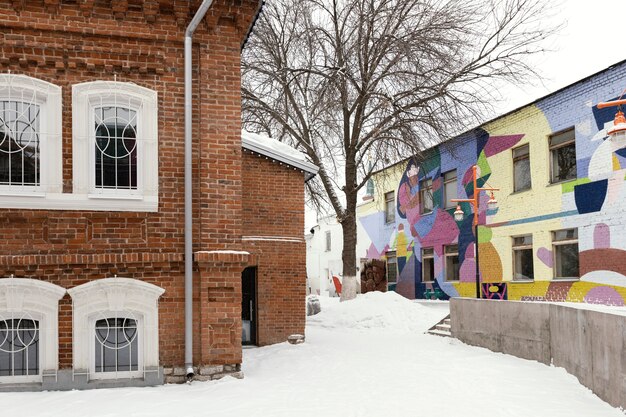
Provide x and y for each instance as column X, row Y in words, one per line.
column 328, row 241
column 426, row 195
column 451, row 254
column 390, row 207
column 450, row 189
column 116, row 328
column 30, row 138
column 523, row 258
column 117, row 346
column 28, row 329
column 521, row 168
column 563, row 156
column 428, row 265
column 115, row 143
column 565, row 252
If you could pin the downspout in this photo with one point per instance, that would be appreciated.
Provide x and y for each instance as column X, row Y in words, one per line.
column 188, row 190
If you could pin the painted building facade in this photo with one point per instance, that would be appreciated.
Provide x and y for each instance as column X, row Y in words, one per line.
column 559, row 230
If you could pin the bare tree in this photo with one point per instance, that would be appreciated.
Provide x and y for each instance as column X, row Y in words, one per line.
column 357, row 84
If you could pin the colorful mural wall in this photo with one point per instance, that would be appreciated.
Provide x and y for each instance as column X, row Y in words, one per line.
column 593, row 203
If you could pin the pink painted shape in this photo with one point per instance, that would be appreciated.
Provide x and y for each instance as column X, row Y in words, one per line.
column 468, row 176
column 467, row 272
column 373, row 253
column 604, row 295
column 545, row 256
column 601, row 236
column 497, row 144
column 444, row 230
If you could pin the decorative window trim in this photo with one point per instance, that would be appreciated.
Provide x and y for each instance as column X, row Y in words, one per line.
column 123, row 297
column 49, row 99
column 85, row 98
column 40, row 301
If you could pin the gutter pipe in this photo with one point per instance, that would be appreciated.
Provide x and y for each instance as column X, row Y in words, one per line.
column 200, row 13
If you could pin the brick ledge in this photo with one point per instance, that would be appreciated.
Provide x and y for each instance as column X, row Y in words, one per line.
column 82, row 259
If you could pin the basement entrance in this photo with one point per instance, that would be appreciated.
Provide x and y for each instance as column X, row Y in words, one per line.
column 248, row 306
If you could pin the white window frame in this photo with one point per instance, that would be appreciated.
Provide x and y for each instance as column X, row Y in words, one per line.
column 49, row 99
column 430, row 255
column 86, row 97
column 426, row 191
column 390, row 207
column 564, row 242
column 123, row 297
column 519, row 247
column 447, row 255
column 38, row 300
column 92, row 348
column 328, row 241
column 446, row 198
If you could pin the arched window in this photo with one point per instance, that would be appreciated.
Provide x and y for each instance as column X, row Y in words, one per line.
column 28, row 329
column 116, row 332
column 115, row 143
column 30, row 137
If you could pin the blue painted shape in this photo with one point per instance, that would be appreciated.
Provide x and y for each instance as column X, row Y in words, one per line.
column 536, row 218
column 425, row 224
column 590, row 197
column 378, row 232
column 603, row 115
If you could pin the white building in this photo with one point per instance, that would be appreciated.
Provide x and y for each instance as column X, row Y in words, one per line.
column 324, row 244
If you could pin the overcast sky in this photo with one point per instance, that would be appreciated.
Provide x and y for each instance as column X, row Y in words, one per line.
column 594, row 37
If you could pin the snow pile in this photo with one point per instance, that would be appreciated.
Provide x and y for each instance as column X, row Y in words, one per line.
column 388, row 312
column 351, row 365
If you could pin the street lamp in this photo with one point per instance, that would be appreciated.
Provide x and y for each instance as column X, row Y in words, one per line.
column 459, row 214
column 618, row 131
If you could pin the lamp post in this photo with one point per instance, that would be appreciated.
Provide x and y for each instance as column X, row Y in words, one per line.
column 458, row 216
column 618, row 131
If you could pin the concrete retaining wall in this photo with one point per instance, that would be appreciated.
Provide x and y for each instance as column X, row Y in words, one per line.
column 589, row 344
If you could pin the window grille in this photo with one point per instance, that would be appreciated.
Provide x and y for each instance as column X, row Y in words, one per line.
column 19, row 347
column 117, row 345
column 115, row 148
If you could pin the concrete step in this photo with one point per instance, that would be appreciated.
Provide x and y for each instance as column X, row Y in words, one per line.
column 439, row 333
column 443, row 327
column 447, row 321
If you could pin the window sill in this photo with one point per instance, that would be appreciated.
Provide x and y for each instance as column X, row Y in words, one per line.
column 522, row 281
column 115, row 197
column 561, row 182
column 564, row 280
column 521, row 191
column 76, row 202
column 23, row 194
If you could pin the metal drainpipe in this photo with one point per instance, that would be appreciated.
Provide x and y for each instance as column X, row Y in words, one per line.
column 188, row 190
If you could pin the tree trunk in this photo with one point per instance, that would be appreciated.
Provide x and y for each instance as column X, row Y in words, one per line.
column 348, row 256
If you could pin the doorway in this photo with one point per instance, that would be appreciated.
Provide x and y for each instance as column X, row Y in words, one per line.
column 248, row 306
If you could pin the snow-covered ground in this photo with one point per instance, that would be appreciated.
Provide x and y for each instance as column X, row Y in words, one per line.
column 367, row 357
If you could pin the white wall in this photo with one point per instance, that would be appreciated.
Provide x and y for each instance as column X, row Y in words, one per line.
column 321, row 264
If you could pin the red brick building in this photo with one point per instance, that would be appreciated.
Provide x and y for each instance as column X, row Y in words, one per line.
column 92, row 197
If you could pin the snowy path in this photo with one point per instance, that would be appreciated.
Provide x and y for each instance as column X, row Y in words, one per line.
column 371, row 352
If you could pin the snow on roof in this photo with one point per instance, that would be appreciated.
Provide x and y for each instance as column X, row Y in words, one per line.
column 278, row 151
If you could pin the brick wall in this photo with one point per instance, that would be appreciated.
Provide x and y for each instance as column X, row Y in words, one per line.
column 273, row 229
column 66, row 43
